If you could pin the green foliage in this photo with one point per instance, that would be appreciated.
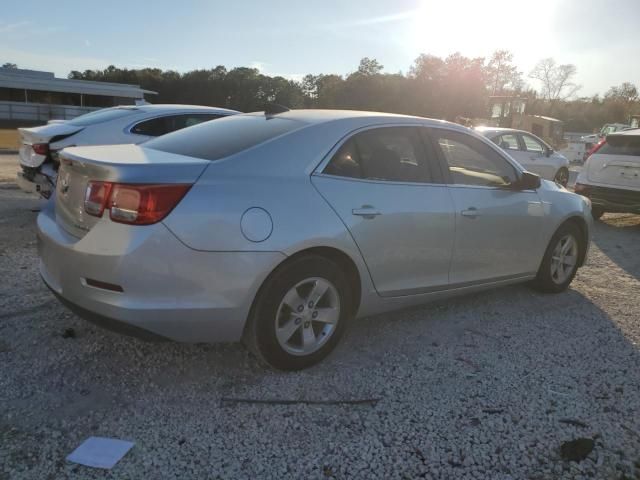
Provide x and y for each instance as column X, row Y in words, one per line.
column 434, row 87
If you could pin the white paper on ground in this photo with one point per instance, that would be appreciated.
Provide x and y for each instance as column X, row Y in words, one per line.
column 100, row 452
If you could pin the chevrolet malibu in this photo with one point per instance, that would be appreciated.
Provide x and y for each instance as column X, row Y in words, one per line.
column 278, row 228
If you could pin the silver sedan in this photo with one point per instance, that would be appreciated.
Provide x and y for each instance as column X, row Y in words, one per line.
column 531, row 152
column 278, row 228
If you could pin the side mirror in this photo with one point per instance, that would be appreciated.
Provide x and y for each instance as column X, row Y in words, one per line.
column 548, row 152
column 527, row 181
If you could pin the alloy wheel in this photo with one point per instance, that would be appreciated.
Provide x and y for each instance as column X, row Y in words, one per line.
column 562, row 177
column 308, row 316
column 564, row 259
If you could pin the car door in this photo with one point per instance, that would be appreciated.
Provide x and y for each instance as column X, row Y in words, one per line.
column 537, row 160
column 498, row 228
column 382, row 184
column 512, row 144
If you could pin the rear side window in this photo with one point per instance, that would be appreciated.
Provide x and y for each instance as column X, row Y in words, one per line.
column 346, row 162
column 621, row 145
column 101, row 116
column 153, row 128
column 224, row 137
column 391, row 153
column 170, row 123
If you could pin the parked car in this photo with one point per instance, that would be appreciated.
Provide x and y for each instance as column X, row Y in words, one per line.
column 126, row 124
column 610, row 178
column 531, row 152
column 278, row 228
column 607, row 129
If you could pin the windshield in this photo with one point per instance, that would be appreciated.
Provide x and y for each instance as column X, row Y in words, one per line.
column 104, row 115
column 224, row 137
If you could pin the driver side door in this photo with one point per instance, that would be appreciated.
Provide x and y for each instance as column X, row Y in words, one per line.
column 498, row 228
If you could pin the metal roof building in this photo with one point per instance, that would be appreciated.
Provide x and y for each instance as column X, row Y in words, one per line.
column 35, row 97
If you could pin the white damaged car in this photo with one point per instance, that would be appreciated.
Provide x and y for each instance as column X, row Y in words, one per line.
column 117, row 125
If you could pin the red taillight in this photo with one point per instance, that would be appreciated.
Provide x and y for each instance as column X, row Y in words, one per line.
column 133, row 204
column 595, row 148
column 40, row 148
column 96, row 197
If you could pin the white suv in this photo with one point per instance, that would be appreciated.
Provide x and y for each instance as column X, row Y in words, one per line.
column 611, row 175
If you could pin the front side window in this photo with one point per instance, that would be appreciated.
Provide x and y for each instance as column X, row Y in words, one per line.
column 390, row 153
column 507, row 142
column 472, row 162
column 532, row 144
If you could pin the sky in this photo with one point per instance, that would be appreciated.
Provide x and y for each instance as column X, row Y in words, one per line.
column 293, row 38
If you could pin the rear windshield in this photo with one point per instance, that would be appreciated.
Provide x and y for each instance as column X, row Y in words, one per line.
column 621, row 145
column 100, row 116
column 224, row 137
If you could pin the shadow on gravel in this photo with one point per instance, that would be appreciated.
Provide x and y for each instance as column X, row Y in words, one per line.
column 618, row 236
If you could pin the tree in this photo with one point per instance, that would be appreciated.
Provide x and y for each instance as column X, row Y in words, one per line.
column 502, row 74
column 625, row 93
column 9, row 65
column 556, row 80
column 427, row 68
column 369, row 66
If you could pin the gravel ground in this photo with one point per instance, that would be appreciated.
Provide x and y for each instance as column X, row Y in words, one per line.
column 487, row 386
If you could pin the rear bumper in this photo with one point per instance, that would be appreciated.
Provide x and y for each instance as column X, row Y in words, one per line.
column 168, row 289
column 36, row 182
column 614, row 200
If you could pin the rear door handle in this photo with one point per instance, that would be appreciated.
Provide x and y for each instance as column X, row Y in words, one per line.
column 366, row 211
column 471, row 212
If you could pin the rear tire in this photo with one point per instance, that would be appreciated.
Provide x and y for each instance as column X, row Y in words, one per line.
column 597, row 212
column 560, row 262
column 562, row 176
column 299, row 314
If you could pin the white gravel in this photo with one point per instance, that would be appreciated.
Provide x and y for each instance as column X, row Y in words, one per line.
column 469, row 388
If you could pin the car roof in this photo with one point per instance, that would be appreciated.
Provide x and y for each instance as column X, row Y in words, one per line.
column 629, row 132
column 488, row 130
column 317, row 116
column 172, row 107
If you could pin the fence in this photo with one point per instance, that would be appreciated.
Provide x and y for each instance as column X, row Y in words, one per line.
column 40, row 112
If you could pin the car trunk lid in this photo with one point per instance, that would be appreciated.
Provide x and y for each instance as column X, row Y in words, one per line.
column 128, row 164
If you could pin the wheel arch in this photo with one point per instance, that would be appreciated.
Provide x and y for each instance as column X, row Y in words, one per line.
column 342, row 259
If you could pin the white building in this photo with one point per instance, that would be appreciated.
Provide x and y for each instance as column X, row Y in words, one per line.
column 34, row 97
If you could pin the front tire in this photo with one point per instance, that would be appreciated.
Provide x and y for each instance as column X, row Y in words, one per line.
column 597, row 212
column 562, row 176
column 560, row 262
column 300, row 313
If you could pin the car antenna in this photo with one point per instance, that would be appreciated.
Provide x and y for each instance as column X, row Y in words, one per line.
column 274, row 109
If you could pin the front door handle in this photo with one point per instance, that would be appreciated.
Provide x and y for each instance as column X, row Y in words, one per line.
column 471, row 212
column 366, row 211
